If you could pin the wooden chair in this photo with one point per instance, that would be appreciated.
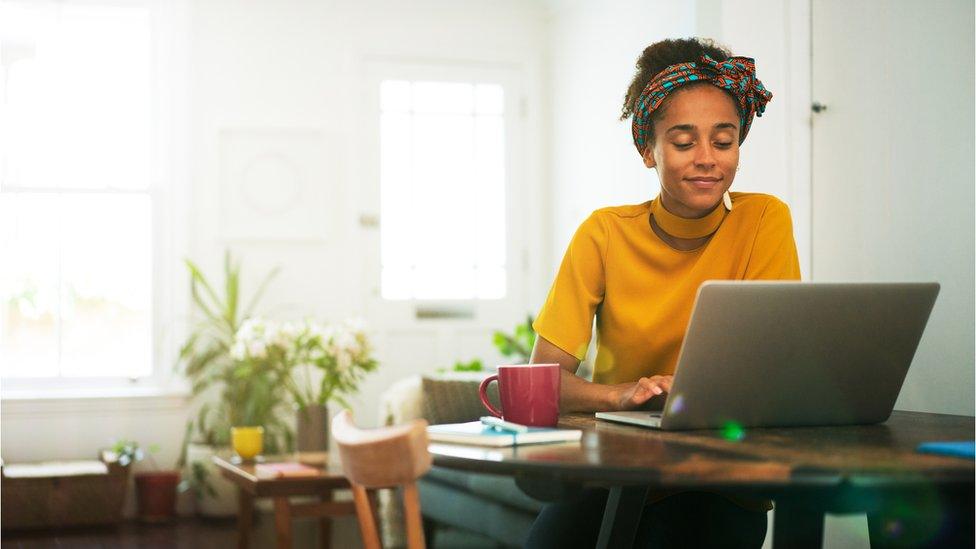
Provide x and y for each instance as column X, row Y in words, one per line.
column 383, row 458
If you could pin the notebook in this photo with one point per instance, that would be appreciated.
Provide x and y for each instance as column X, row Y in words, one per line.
column 479, row 434
column 285, row 469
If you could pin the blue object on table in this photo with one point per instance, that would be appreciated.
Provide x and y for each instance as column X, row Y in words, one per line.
column 963, row 449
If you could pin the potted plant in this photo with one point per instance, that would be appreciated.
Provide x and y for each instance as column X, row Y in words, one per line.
column 155, row 489
column 317, row 363
column 516, row 346
column 232, row 392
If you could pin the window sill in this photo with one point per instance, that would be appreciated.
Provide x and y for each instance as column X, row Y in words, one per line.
column 35, row 402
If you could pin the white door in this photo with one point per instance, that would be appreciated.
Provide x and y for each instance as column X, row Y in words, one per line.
column 443, row 213
column 893, row 187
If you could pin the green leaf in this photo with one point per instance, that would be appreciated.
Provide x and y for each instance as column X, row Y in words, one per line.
column 232, row 279
column 473, row 366
column 196, row 276
column 201, row 304
column 261, row 288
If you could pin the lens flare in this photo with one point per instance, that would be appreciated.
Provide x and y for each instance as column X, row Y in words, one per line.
column 732, row 430
column 894, row 528
column 677, row 404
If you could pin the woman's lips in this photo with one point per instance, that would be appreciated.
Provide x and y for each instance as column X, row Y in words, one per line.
column 704, row 183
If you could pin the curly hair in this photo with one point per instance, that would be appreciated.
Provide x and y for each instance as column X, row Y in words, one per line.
column 660, row 55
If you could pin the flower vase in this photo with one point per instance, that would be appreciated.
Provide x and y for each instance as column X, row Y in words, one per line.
column 313, row 434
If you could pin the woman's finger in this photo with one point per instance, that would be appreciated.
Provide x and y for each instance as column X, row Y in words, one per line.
column 644, row 390
column 666, row 382
column 653, row 385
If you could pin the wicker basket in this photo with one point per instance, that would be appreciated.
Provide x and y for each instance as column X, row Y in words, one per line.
column 57, row 500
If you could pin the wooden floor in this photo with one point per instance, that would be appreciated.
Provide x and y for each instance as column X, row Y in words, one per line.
column 186, row 532
column 193, row 532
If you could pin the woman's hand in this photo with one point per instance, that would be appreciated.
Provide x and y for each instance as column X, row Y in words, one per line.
column 629, row 396
column 579, row 395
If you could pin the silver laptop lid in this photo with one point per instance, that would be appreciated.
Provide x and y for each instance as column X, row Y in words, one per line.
column 796, row 353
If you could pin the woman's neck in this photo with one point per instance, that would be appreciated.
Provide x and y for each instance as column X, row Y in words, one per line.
column 682, row 228
column 680, row 244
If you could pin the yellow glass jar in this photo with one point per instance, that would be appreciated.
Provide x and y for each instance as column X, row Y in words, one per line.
column 248, row 442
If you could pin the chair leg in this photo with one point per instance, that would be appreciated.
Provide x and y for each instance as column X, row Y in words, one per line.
column 411, row 507
column 364, row 512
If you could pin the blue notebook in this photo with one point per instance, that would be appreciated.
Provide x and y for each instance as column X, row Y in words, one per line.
column 963, row 449
column 479, row 434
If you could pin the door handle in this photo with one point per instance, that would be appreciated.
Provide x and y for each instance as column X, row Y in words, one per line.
column 369, row 221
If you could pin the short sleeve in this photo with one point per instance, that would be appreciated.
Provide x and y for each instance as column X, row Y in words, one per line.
column 774, row 255
column 566, row 318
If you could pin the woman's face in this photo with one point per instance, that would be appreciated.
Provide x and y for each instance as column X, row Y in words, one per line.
column 695, row 150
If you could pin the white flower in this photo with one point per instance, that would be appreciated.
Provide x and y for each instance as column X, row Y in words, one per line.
column 343, row 362
column 280, row 335
column 256, row 349
column 250, row 329
column 346, row 342
column 239, row 350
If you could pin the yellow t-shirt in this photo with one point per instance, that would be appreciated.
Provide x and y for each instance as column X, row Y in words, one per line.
column 641, row 290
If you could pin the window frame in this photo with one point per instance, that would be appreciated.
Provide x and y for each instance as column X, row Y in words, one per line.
column 402, row 312
column 168, row 191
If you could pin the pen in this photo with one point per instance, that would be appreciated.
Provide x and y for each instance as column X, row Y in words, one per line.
column 503, row 425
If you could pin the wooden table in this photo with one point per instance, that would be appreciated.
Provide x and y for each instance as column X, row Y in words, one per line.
column 807, row 471
column 249, row 486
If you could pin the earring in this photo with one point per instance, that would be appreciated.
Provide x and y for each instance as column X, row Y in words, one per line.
column 727, row 200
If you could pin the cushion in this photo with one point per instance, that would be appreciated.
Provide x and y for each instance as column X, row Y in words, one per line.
column 500, row 489
column 453, row 397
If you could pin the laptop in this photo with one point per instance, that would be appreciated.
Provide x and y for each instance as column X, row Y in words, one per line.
column 767, row 354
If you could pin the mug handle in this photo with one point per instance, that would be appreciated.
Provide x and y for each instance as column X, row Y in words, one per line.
column 483, row 392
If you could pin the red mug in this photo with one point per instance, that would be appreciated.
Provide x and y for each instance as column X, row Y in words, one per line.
column 529, row 394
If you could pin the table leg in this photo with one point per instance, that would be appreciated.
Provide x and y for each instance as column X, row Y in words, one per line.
column 283, row 522
column 325, row 523
column 245, row 517
column 622, row 516
column 797, row 526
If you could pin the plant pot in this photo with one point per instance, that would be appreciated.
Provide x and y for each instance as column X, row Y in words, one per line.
column 156, row 494
column 313, row 434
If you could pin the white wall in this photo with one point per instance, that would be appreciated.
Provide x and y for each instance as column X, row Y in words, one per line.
column 302, row 64
column 292, row 66
column 594, row 47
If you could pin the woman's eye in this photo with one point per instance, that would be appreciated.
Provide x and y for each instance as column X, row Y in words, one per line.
column 723, row 145
column 683, row 145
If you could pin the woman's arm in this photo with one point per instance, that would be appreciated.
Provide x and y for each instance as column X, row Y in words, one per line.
column 579, row 395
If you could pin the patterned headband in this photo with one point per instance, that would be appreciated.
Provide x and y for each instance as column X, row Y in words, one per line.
column 737, row 75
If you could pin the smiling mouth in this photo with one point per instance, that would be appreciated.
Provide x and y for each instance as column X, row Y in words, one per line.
column 704, row 183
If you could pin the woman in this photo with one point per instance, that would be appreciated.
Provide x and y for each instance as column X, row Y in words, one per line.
column 636, row 269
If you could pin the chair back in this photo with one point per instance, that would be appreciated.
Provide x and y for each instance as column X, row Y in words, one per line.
column 387, row 457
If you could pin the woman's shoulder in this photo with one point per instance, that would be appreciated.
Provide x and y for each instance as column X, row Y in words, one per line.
column 758, row 204
column 616, row 214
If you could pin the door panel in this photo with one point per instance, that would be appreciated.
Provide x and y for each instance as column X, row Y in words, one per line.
column 893, row 188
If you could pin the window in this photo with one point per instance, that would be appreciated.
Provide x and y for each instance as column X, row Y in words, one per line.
column 442, row 190
column 76, row 192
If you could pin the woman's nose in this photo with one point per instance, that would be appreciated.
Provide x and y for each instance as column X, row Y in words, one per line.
column 705, row 156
